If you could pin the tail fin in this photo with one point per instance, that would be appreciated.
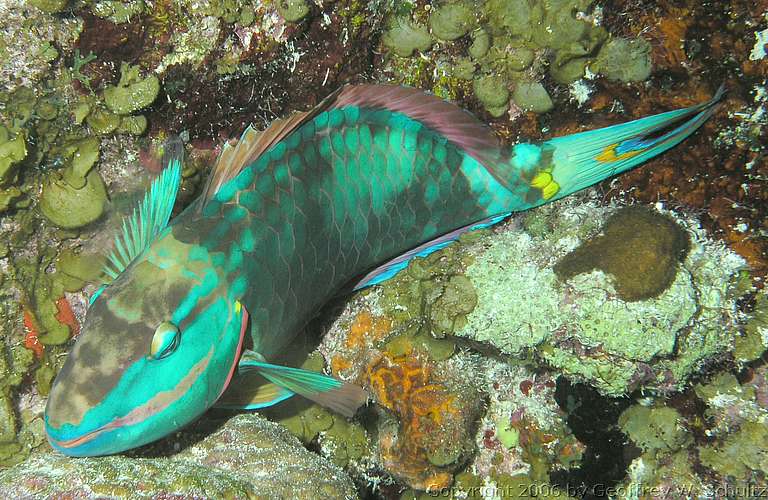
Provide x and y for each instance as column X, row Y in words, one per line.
column 580, row 160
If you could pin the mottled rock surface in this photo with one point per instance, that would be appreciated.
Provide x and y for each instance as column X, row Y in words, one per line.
column 248, row 457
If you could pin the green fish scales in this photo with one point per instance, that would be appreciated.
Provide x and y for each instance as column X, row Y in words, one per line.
column 346, row 191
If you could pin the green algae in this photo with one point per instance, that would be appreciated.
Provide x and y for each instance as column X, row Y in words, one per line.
column 624, row 60
column 516, row 41
column 514, row 17
column 83, row 155
column 641, row 249
column 481, row 42
column 654, row 429
column 12, row 151
column 51, row 6
column 15, row 439
column 403, row 37
column 452, row 20
column 100, row 120
column 741, row 454
column 69, row 207
column 492, row 91
column 292, row 11
column 753, row 340
column 431, row 299
column 134, row 125
column 132, row 92
column 118, row 11
column 75, row 270
column 532, row 96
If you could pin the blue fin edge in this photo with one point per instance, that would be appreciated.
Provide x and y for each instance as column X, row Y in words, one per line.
column 392, row 267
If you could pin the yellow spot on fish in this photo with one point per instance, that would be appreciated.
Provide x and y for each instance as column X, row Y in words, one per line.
column 609, row 154
column 541, row 179
column 544, row 181
column 238, row 306
column 550, row 190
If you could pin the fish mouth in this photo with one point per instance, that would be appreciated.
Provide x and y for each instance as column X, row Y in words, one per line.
column 66, row 446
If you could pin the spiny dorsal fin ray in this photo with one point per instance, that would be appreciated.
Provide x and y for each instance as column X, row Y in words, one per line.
column 148, row 219
column 252, row 144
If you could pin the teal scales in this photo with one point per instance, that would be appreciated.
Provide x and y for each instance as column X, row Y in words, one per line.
column 291, row 217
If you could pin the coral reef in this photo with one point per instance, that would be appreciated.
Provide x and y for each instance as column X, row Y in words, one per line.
column 513, row 45
column 720, row 455
column 227, row 463
column 462, row 359
column 583, row 327
column 425, row 410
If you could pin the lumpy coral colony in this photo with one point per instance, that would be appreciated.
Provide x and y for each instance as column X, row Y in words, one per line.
column 494, row 362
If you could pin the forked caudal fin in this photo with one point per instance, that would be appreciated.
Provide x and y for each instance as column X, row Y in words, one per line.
column 582, row 159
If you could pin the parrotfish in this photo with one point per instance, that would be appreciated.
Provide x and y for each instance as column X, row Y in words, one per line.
column 197, row 309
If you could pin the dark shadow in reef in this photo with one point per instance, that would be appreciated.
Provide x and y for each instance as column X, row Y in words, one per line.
column 593, row 419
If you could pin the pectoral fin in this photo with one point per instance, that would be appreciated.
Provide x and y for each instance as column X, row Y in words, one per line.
column 251, row 391
column 327, row 391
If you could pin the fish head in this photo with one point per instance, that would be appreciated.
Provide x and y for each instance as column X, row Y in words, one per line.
column 157, row 348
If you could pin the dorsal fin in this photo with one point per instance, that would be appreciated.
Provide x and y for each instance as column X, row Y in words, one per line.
column 253, row 144
column 148, row 219
column 457, row 125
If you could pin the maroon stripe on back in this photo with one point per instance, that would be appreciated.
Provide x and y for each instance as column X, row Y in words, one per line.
column 457, row 125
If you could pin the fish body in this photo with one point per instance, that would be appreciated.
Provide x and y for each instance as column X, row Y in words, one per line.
column 290, row 218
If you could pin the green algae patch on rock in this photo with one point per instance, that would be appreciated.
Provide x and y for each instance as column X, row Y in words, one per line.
column 51, row 6
column 134, row 125
column 753, row 341
column 83, row 156
column 452, row 20
column 404, row 36
column 118, row 11
column 133, row 92
column 640, row 248
column 12, row 151
column 102, row 121
column 74, row 270
column 740, row 454
column 654, row 429
column 292, row 11
column 8, row 197
column 492, row 91
column 532, row 96
column 71, row 208
column 516, row 17
column 624, row 60
column 248, row 457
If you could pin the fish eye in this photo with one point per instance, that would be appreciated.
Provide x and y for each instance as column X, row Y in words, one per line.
column 165, row 340
column 96, row 295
